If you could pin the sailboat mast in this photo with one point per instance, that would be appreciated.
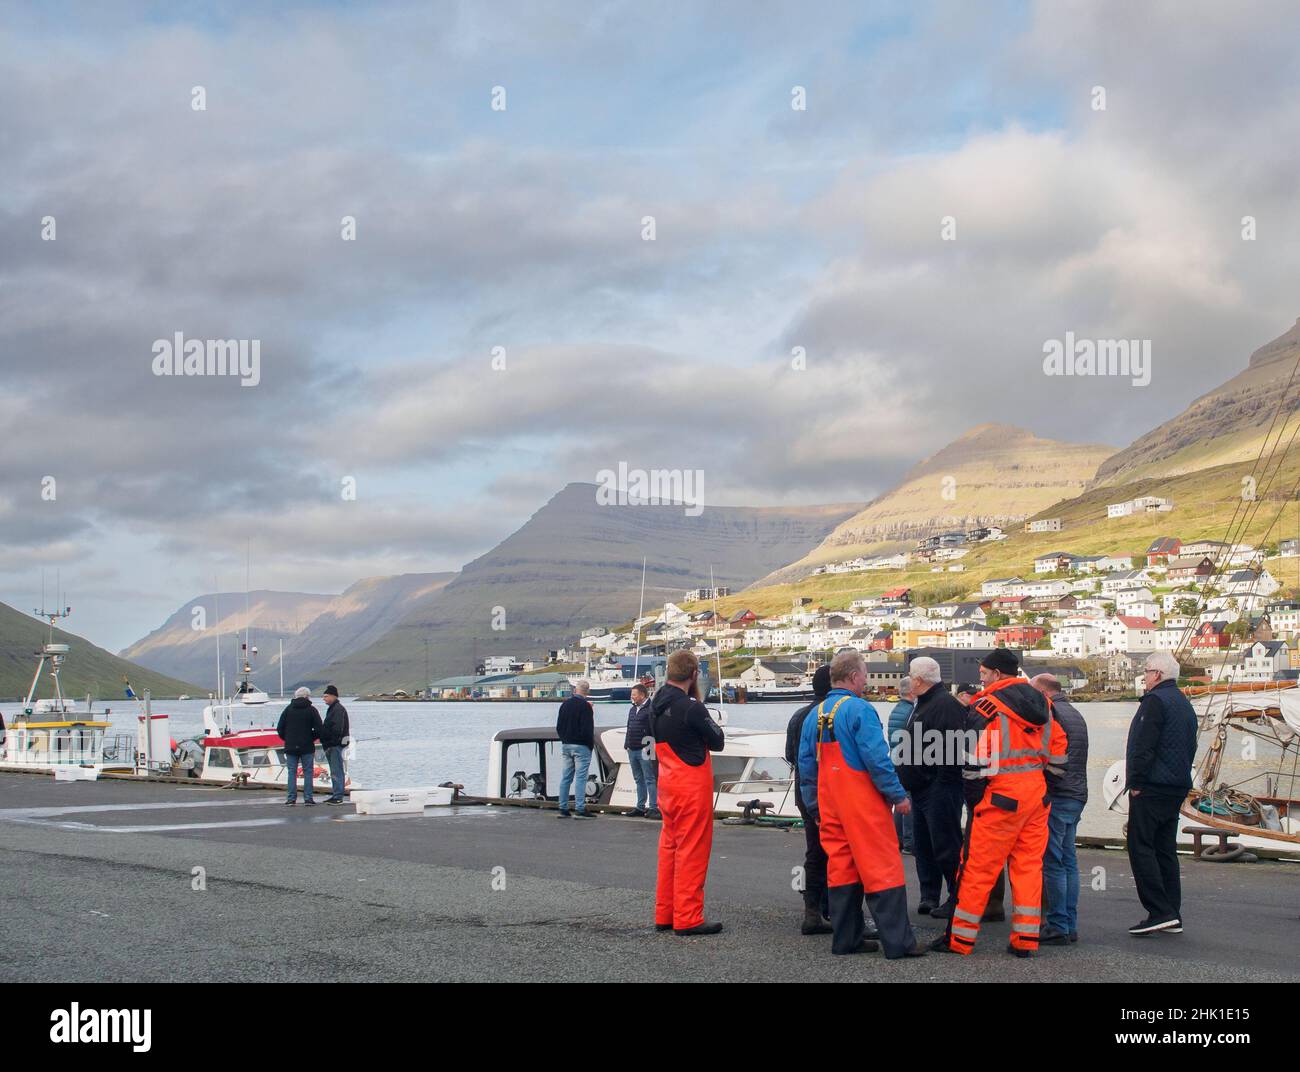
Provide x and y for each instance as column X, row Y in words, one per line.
column 713, row 591
column 636, row 661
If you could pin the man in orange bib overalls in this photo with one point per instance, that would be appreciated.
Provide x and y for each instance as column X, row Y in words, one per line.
column 684, row 733
column 848, row 781
column 1017, row 741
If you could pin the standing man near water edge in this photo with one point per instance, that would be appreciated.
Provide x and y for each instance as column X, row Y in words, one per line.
column 336, row 734
column 898, row 717
column 816, row 907
column 576, row 726
column 1007, row 792
column 849, row 783
column 932, row 778
column 300, row 728
column 639, row 743
column 1067, row 793
column 1158, row 769
column 684, row 734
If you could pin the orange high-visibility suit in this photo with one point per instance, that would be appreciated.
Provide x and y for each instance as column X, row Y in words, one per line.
column 1009, row 825
column 684, row 736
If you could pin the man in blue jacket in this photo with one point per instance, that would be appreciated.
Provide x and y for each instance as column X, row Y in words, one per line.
column 1158, row 767
column 640, row 745
column 897, row 721
column 848, row 781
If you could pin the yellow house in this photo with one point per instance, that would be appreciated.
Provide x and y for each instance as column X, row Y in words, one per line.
column 919, row 638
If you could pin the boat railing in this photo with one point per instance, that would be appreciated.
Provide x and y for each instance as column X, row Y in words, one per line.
column 119, row 748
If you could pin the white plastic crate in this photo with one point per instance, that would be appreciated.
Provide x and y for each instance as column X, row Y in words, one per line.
column 397, row 801
column 75, row 774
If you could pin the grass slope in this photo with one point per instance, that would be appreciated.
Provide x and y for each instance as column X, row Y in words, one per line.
column 87, row 668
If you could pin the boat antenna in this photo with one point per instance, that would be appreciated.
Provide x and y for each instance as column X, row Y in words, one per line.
column 713, row 591
column 636, row 661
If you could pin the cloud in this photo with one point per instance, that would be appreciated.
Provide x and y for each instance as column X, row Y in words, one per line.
column 776, row 229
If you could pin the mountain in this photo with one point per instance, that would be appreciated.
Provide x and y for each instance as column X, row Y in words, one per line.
column 992, row 475
column 576, row 563
column 178, row 648
column 315, row 629
column 358, row 618
column 1226, row 426
column 86, row 669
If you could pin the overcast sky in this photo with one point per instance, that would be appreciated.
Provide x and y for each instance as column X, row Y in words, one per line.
column 521, row 228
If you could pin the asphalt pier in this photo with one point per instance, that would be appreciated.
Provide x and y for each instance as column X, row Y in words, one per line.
column 121, row 881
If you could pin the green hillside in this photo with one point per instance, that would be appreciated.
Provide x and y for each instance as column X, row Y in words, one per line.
column 87, row 669
column 1204, row 502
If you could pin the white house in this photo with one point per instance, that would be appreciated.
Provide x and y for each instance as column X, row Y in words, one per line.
column 1124, row 579
column 1045, row 589
column 1076, row 641
column 1247, row 582
column 1261, row 660
column 1047, row 524
column 997, row 586
column 972, row 636
column 1111, row 563
column 1127, row 633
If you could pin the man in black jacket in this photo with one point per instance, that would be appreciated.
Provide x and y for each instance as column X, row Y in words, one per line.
column 929, row 758
column 816, row 905
column 1067, row 793
column 576, row 727
column 640, row 744
column 300, row 728
column 1158, row 764
column 684, row 734
column 335, row 736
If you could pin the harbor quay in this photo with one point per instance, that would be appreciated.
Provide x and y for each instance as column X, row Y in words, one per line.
column 156, row 883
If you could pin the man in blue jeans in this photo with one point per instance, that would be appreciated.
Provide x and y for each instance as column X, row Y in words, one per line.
column 576, row 727
column 1067, row 793
column 334, row 738
column 300, row 728
column 640, row 746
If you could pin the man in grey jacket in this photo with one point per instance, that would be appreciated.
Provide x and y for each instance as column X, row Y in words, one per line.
column 1067, row 793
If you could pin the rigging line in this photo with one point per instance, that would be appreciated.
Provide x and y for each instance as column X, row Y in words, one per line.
column 1247, row 521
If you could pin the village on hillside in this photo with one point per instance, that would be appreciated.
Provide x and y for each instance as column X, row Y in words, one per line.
column 1091, row 619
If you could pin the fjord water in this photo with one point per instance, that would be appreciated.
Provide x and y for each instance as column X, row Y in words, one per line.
column 407, row 744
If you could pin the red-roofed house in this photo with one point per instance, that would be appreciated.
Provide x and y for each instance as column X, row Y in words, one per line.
column 1161, row 548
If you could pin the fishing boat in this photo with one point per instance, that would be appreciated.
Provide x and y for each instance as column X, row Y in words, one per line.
column 524, row 765
column 252, row 754
column 246, row 754
column 47, row 735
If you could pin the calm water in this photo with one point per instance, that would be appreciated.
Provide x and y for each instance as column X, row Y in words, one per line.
column 400, row 744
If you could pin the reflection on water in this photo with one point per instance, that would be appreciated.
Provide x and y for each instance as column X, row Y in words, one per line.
column 404, row 744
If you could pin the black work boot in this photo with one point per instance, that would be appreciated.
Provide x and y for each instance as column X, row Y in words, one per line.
column 814, row 922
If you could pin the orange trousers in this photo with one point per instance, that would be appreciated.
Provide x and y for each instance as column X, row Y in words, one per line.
column 1017, row 839
column 686, row 802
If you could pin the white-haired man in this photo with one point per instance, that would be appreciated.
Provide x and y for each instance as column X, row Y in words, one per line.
column 1158, row 764
column 933, row 779
column 300, row 728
